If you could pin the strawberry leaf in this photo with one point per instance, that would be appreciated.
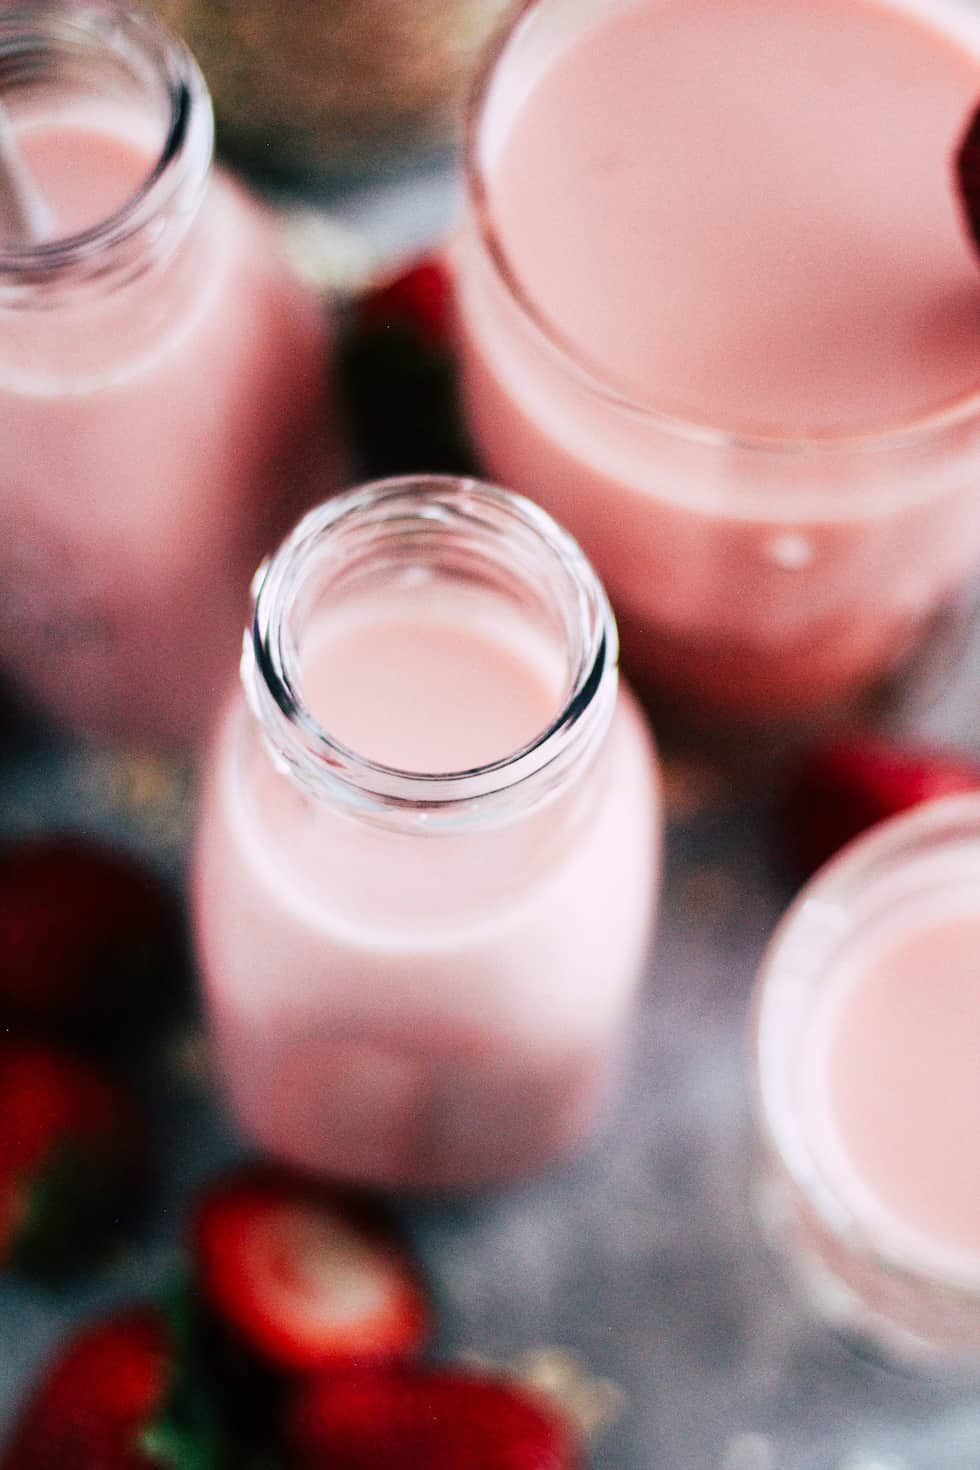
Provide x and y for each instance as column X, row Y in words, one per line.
column 188, row 1434
column 175, row 1446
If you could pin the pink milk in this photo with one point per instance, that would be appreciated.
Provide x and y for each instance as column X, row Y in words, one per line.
column 422, row 932
column 162, row 388
column 893, row 1084
column 411, row 689
column 721, row 324
column 868, row 1087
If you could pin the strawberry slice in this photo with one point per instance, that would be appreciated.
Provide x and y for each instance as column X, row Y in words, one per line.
column 72, row 1160
column 843, row 787
column 84, row 933
column 114, row 1399
column 416, row 1418
column 304, row 1275
column 967, row 164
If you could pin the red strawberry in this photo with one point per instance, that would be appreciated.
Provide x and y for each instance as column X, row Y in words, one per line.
column 968, row 176
column 406, row 1417
column 419, row 300
column 83, row 931
column 845, row 786
column 303, row 1275
column 112, row 1400
column 398, row 373
column 72, row 1159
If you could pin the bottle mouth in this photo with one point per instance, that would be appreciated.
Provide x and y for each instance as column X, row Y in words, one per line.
column 479, row 535
column 111, row 55
column 928, row 860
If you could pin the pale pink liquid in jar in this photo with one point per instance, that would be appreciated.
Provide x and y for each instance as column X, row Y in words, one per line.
column 869, row 1083
column 711, row 329
column 428, row 855
column 163, row 404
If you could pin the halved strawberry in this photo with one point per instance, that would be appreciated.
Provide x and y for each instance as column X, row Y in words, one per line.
column 844, row 786
column 304, row 1275
column 114, row 1398
column 417, row 300
column 967, row 165
column 84, row 932
column 399, row 376
column 406, row 1417
column 72, row 1159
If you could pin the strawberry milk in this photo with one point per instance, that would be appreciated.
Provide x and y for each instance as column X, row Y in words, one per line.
column 869, row 1087
column 161, row 383
column 429, row 850
column 719, row 314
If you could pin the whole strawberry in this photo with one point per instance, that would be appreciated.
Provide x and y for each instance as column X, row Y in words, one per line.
column 303, row 1276
column 399, row 375
column 407, row 1417
column 72, row 1160
column 841, row 788
column 85, row 934
column 115, row 1398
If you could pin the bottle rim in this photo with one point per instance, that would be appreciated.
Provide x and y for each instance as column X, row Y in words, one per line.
column 435, row 510
column 34, row 38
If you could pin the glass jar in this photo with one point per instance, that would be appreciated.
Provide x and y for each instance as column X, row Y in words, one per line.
column 866, row 1013
column 422, row 979
column 757, row 577
column 162, row 381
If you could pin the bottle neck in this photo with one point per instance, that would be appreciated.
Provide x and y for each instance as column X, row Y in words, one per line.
column 107, row 66
column 501, row 547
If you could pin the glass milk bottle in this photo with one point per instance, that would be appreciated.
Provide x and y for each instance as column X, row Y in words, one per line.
column 867, row 1091
column 161, row 379
column 755, row 404
column 429, row 850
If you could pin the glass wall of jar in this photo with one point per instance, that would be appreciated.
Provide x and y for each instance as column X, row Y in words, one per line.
column 867, row 1089
column 757, row 576
column 420, row 954
column 162, row 380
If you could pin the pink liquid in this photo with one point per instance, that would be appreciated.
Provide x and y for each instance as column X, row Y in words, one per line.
column 704, row 201
column 737, row 242
column 155, row 438
column 85, row 175
column 894, row 1088
column 419, row 697
column 424, row 1008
